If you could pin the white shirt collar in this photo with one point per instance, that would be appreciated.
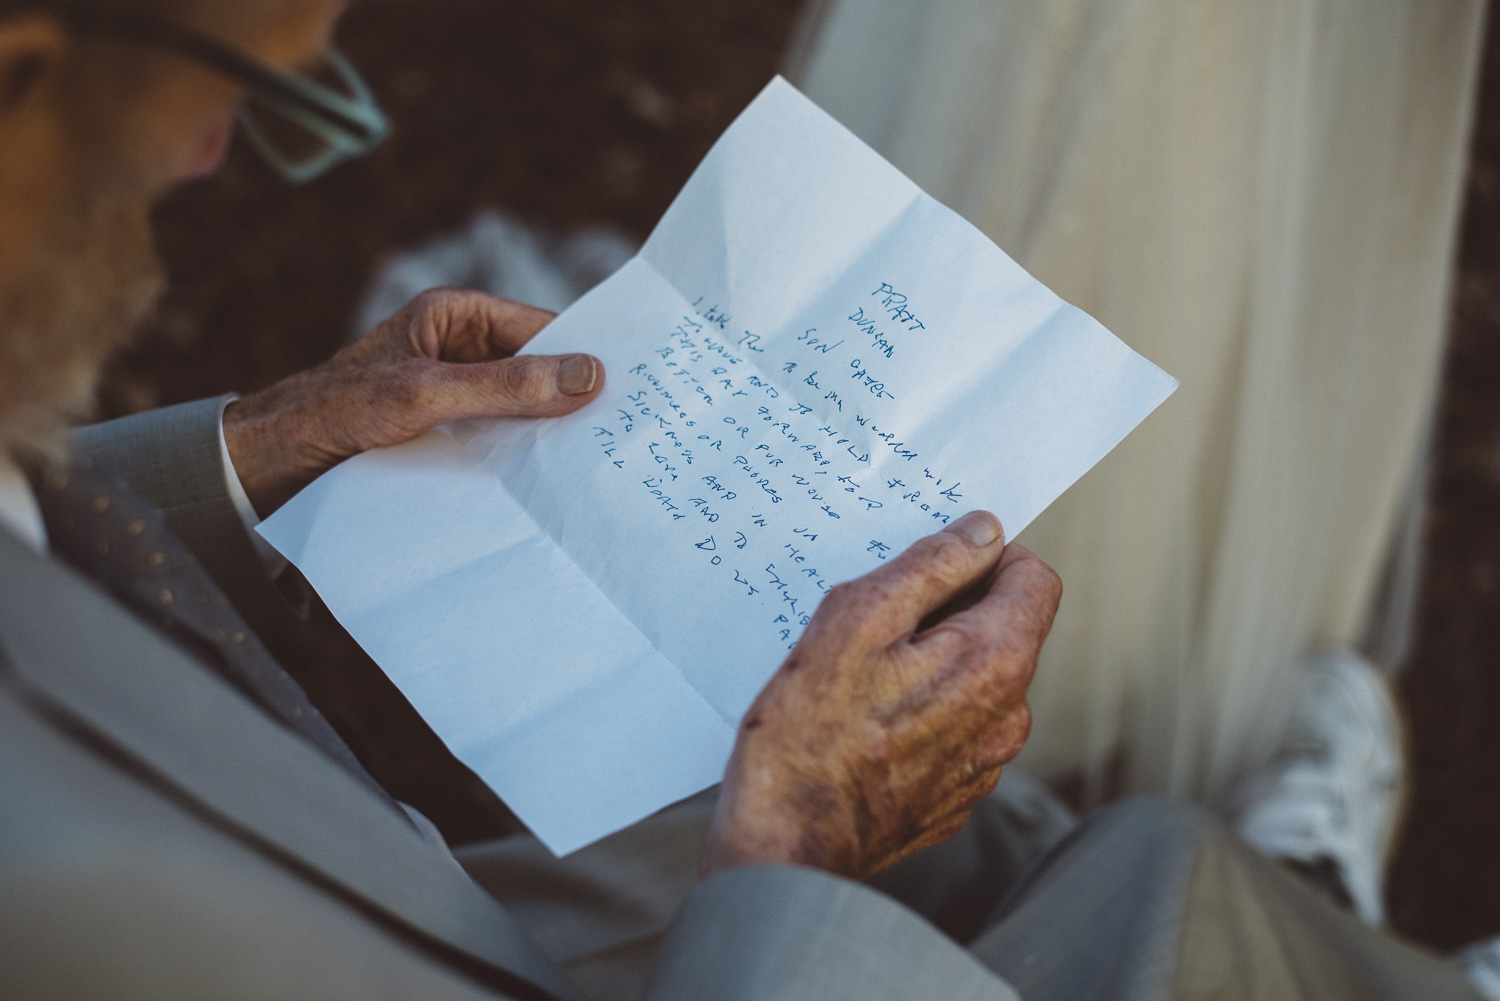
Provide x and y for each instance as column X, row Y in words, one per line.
column 18, row 507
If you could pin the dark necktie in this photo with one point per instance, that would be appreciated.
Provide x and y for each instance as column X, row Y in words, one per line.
column 113, row 535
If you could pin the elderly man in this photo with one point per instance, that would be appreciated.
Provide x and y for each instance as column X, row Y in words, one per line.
column 179, row 820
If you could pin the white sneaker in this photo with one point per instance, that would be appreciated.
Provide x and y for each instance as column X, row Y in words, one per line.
column 1331, row 797
column 1481, row 964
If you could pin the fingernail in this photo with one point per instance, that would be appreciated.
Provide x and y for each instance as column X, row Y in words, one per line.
column 979, row 528
column 576, row 375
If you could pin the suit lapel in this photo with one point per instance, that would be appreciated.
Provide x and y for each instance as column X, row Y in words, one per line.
column 72, row 646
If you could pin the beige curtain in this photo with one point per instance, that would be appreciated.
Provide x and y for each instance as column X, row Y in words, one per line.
column 1261, row 197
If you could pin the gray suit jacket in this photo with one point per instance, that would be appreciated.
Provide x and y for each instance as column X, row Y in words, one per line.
column 161, row 837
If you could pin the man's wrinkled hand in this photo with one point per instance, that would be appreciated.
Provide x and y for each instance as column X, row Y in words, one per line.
column 447, row 355
column 893, row 716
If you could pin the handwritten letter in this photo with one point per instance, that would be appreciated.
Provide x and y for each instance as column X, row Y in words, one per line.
column 811, row 364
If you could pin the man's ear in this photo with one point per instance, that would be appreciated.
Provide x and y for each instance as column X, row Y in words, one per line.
column 32, row 47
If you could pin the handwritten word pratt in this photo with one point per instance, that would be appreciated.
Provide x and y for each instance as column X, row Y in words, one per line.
column 895, row 304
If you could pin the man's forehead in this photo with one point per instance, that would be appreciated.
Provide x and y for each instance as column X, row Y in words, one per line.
column 284, row 33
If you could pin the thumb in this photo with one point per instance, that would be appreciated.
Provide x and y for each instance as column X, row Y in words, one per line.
column 905, row 591
column 526, row 386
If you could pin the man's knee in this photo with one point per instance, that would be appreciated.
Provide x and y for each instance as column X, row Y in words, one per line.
column 1116, row 889
column 1150, row 843
column 1166, row 822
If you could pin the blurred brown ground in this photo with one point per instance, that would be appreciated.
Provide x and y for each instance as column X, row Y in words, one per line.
column 571, row 112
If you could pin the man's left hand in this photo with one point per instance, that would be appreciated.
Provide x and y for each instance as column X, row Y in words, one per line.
column 447, row 355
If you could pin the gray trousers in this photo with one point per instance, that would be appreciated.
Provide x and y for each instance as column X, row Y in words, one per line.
column 1148, row 899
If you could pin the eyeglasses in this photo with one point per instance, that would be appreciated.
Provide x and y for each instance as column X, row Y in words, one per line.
column 302, row 124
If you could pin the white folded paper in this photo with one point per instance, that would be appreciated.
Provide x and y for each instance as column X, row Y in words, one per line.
column 811, row 364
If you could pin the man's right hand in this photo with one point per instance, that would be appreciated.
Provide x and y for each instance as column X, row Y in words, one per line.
column 894, row 714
